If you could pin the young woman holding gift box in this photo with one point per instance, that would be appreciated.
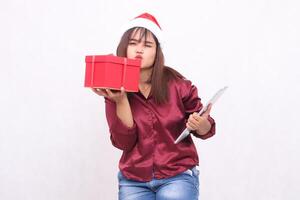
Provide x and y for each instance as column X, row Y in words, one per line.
column 145, row 124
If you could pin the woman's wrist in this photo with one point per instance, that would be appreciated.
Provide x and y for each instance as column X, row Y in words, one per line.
column 123, row 100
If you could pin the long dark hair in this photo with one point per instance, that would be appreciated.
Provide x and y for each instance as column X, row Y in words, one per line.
column 161, row 74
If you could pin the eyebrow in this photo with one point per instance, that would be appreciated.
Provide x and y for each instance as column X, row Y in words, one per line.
column 135, row 40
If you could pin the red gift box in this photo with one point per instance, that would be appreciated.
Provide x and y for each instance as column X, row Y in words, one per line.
column 109, row 71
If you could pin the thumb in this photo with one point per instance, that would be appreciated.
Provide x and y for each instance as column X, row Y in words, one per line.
column 122, row 90
column 207, row 112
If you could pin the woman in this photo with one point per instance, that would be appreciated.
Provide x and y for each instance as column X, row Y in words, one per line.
column 144, row 125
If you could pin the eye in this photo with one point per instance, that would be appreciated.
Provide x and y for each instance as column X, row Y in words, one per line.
column 131, row 43
column 148, row 45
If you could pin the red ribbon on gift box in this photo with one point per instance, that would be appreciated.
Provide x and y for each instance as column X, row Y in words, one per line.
column 124, row 72
column 93, row 66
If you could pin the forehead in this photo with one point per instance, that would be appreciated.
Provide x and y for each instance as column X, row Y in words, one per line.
column 142, row 34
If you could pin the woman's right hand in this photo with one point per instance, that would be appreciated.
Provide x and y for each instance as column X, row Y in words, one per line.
column 116, row 95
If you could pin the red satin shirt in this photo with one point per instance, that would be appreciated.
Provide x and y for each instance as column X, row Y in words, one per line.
column 148, row 147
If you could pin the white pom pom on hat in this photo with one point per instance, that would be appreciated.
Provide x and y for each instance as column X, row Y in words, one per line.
column 147, row 21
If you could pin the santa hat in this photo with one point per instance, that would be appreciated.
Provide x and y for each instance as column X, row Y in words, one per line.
column 147, row 21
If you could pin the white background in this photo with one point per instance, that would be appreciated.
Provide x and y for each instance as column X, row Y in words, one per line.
column 54, row 140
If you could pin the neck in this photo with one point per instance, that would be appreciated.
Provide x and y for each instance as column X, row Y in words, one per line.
column 145, row 75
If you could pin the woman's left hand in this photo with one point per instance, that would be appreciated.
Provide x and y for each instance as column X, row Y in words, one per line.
column 200, row 124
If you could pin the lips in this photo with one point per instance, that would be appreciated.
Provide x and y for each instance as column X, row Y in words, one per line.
column 138, row 57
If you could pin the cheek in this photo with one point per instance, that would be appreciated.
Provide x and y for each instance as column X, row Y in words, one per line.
column 130, row 53
column 149, row 61
column 153, row 57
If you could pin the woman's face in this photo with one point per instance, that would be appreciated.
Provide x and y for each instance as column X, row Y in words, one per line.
column 142, row 48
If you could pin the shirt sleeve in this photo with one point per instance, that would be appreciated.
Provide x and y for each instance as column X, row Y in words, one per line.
column 121, row 136
column 192, row 103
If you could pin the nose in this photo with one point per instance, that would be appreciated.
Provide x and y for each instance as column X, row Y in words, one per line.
column 139, row 49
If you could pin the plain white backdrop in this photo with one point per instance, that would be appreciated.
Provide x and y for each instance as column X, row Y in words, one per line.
column 54, row 140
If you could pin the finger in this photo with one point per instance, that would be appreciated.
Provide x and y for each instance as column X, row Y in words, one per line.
column 193, row 122
column 191, row 126
column 196, row 116
column 192, row 119
column 109, row 92
column 99, row 91
column 188, row 126
column 193, row 115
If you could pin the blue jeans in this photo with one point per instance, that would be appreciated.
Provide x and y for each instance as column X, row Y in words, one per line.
column 184, row 186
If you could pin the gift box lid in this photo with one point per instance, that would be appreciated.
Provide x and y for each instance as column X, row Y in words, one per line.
column 112, row 59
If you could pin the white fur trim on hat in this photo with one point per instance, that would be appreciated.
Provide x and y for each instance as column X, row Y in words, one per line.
column 148, row 24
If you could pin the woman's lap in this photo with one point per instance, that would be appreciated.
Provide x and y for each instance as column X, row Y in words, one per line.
column 182, row 186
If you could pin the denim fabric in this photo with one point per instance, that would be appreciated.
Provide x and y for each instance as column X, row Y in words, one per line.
column 184, row 186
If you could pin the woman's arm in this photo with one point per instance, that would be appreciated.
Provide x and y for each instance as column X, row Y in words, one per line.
column 192, row 104
column 119, row 118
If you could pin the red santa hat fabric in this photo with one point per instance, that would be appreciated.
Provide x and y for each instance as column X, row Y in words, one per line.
column 147, row 21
